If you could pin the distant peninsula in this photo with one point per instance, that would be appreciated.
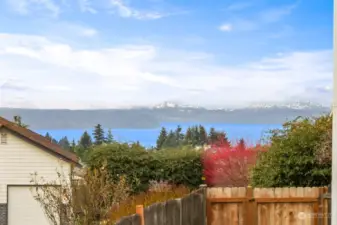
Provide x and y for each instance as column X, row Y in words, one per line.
column 153, row 117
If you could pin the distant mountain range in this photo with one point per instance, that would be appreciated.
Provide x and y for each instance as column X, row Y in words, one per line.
column 167, row 112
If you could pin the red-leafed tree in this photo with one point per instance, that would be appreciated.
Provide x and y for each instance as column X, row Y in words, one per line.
column 228, row 166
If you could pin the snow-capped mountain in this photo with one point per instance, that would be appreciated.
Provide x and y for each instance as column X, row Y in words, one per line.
column 167, row 112
column 289, row 105
column 285, row 105
column 166, row 105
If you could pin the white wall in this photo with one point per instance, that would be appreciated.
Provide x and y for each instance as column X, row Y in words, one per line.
column 19, row 159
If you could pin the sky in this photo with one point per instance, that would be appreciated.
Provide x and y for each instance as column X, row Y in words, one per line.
column 84, row 54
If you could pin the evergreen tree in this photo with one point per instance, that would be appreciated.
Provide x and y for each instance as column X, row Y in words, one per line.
column 215, row 137
column 202, row 136
column 222, row 138
column 170, row 141
column 179, row 135
column 64, row 143
column 195, row 136
column 188, row 136
column 54, row 141
column 212, row 136
column 109, row 137
column 18, row 121
column 162, row 138
column 51, row 139
column 84, row 145
column 99, row 135
column 48, row 137
column 85, row 140
column 73, row 146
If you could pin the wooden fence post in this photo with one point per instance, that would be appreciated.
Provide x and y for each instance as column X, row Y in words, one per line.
column 140, row 212
column 250, row 207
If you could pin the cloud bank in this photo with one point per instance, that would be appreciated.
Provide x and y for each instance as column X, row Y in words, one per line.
column 39, row 73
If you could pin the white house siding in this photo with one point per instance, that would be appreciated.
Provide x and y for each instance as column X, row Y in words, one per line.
column 19, row 159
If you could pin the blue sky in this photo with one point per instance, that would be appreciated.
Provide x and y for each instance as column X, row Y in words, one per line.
column 118, row 53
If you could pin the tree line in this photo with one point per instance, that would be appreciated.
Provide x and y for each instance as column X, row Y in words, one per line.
column 194, row 136
column 86, row 141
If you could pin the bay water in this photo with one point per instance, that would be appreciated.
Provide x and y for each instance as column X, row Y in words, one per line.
column 252, row 133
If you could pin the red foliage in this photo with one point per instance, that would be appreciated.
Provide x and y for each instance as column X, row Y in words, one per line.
column 228, row 166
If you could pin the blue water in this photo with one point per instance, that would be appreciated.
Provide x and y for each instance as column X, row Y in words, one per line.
column 252, row 133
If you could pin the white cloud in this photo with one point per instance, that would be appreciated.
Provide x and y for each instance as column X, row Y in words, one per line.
column 63, row 30
column 120, row 7
column 128, row 12
column 59, row 76
column 89, row 32
column 226, row 27
column 31, row 6
column 85, row 6
column 263, row 18
column 75, row 29
column 276, row 14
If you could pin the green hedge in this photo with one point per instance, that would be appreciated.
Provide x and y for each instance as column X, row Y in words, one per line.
column 182, row 167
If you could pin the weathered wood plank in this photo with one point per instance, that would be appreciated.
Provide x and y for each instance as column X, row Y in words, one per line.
column 187, row 210
column 173, row 212
column 154, row 214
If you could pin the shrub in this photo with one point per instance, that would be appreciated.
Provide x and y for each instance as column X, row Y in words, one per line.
column 180, row 167
column 86, row 201
column 122, row 159
column 324, row 151
column 294, row 157
column 229, row 166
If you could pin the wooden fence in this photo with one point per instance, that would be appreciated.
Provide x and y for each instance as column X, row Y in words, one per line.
column 240, row 206
column 190, row 210
column 268, row 206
